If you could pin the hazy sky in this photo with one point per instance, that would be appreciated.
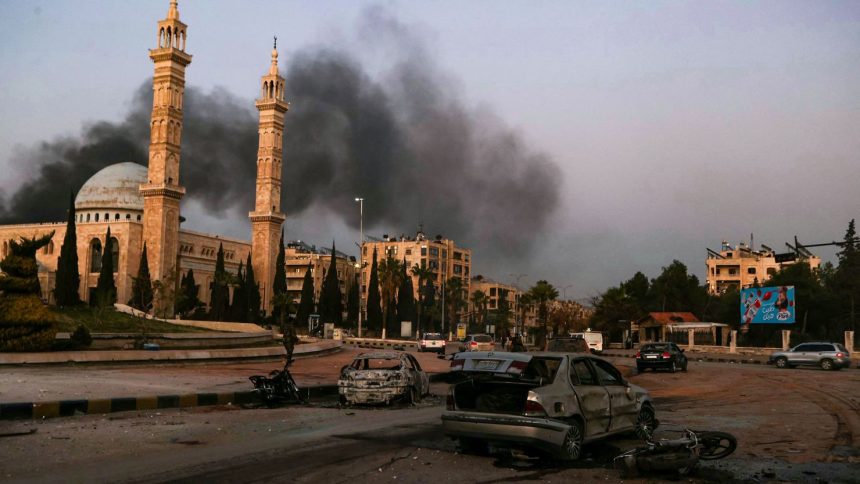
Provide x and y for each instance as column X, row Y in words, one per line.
column 674, row 124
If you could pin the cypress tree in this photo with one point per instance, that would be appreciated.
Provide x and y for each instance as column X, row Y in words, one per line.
column 189, row 301
column 279, row 285
column 68, row 277
column 406, row 298
column 141, row 288
column 352, row 304
column 106, row 289
column 429, row 304
column 331, row 305
column 374, row 310
column 306, row 304
column 253, row 290
column 239, row 308
column 218, row 296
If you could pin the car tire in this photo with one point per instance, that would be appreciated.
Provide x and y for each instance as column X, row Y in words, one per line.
column 781, row 362
column 646, row 422
column 684, row 366
column 826, row 364
column 413, row 398
column 571, row 449
column 674, row 367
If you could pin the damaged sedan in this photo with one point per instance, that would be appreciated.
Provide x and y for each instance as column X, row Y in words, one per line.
column 553, row 403
column 381, row 378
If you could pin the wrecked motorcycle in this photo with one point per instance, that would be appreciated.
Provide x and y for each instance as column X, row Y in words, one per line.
column 676, row 455
column 278, row 387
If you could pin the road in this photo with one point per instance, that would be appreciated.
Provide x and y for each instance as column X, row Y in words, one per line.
column 792, row 425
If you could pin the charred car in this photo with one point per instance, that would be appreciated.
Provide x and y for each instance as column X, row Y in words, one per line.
column 552, row 403
column 381, row 378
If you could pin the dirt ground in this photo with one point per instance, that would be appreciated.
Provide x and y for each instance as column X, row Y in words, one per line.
column 792, row 426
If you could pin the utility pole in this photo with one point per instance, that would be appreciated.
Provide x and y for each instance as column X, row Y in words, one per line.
column 360, row 262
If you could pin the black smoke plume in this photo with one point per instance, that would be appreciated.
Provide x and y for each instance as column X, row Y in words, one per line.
column 406, row 143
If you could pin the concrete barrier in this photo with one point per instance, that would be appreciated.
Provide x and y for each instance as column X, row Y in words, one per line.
column 383, row 344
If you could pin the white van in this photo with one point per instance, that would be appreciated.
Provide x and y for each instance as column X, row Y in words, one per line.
column 593, row 338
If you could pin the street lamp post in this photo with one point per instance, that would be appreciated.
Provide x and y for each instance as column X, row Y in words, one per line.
column 360, row 261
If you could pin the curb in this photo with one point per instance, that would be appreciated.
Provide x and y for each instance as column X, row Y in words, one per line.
column 739, row 361
column 68, row 408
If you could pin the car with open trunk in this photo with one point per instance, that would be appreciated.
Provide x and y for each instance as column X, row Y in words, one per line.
column 545, row 402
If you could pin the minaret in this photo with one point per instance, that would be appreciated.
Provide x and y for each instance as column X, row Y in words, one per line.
column 266, row 219
column 162, row 192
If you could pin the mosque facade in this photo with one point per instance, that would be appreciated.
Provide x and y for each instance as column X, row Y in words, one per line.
column 141, row 204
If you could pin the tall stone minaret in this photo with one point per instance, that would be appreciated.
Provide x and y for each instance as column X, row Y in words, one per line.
column 162, row 191
column 266, row 219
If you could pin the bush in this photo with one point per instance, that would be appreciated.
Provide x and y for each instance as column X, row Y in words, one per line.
column 82, row 338
column 26, row 324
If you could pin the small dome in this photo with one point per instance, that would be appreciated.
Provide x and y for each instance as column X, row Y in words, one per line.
column 113, row 187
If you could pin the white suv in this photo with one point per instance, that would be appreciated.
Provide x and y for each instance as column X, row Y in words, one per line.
column 431, row 342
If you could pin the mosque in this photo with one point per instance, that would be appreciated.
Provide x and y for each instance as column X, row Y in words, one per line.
column 140, row 204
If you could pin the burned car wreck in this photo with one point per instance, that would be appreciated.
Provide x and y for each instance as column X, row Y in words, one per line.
column 548, row 403
column 381, row 378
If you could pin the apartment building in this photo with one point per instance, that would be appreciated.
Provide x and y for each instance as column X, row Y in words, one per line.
column 299, row 256
column 441, row 255
column 741, row 266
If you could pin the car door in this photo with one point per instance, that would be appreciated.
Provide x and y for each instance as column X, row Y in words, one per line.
column 593, row 399
column 422, row 382
column 621, row 400
column 800, row 355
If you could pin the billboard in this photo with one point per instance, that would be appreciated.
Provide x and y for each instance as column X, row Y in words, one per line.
column 767, row 305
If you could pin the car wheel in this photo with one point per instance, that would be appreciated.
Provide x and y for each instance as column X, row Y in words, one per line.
column 684, row 368
column 673, row 368
column 826, row 364
column 571, row 449
column 782, row 362
column 640, row 369
column 646, row 422
column 413, row 397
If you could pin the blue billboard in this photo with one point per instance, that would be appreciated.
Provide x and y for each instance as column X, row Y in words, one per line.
column 767, row 305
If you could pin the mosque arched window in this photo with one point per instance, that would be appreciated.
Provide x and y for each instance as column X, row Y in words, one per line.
column 138, row 218
column 107, row 217
column 114, row 251
column 88, row 217
column 116, row 216
column 128, row 216
column 95, row 255
column 97, row 218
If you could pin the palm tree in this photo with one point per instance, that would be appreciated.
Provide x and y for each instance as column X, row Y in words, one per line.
column 479, row 306
column 454, row 300
column 390, row 273
column 423, row 273
column 542, row 293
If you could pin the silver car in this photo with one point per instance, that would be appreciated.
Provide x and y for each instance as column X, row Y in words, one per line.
column 382, row 377
column 827, row 356
column 553, row 402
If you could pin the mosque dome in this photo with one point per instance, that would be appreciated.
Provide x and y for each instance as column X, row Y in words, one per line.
column 115, row 187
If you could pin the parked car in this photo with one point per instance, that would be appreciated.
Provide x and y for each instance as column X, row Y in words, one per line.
column 431, row 342
column 575, row 344
column 547, row 402
column 828, row 356
column 593, row 338
column 661, row 355
column 478, row 342
column 382, row 377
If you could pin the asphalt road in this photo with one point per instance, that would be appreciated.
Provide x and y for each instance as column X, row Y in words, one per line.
column 792, row 426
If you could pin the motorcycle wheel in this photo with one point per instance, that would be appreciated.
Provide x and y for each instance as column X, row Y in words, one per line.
column 716, row 445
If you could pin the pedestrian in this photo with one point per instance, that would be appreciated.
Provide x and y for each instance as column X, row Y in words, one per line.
column 290, row 339
column 517, row 345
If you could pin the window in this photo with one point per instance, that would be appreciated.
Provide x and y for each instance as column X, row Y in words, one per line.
column 424, row 251
column 138, row 218
column 606, row 373
column 88, row 217
column 128, row 216
column 97, row 217
column 107, row 217
column 408, row 251
column 95, row 255
column 116, row 216
column 804, row 348
column 433, row 251
column 733, row 272
column 458, row 269
column 580, row 374
column 751, row 270
column 458, row 256
column 492, row 291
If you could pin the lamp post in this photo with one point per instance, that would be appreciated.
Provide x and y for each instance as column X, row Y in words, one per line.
column 360, row 261
column 564, row 291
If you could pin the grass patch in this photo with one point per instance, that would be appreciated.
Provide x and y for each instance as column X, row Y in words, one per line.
column 112, row 321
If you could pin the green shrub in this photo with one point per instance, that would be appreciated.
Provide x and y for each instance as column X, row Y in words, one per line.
column 82, row 338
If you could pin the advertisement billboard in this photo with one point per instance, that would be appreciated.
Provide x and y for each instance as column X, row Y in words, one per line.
column 767, row 305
